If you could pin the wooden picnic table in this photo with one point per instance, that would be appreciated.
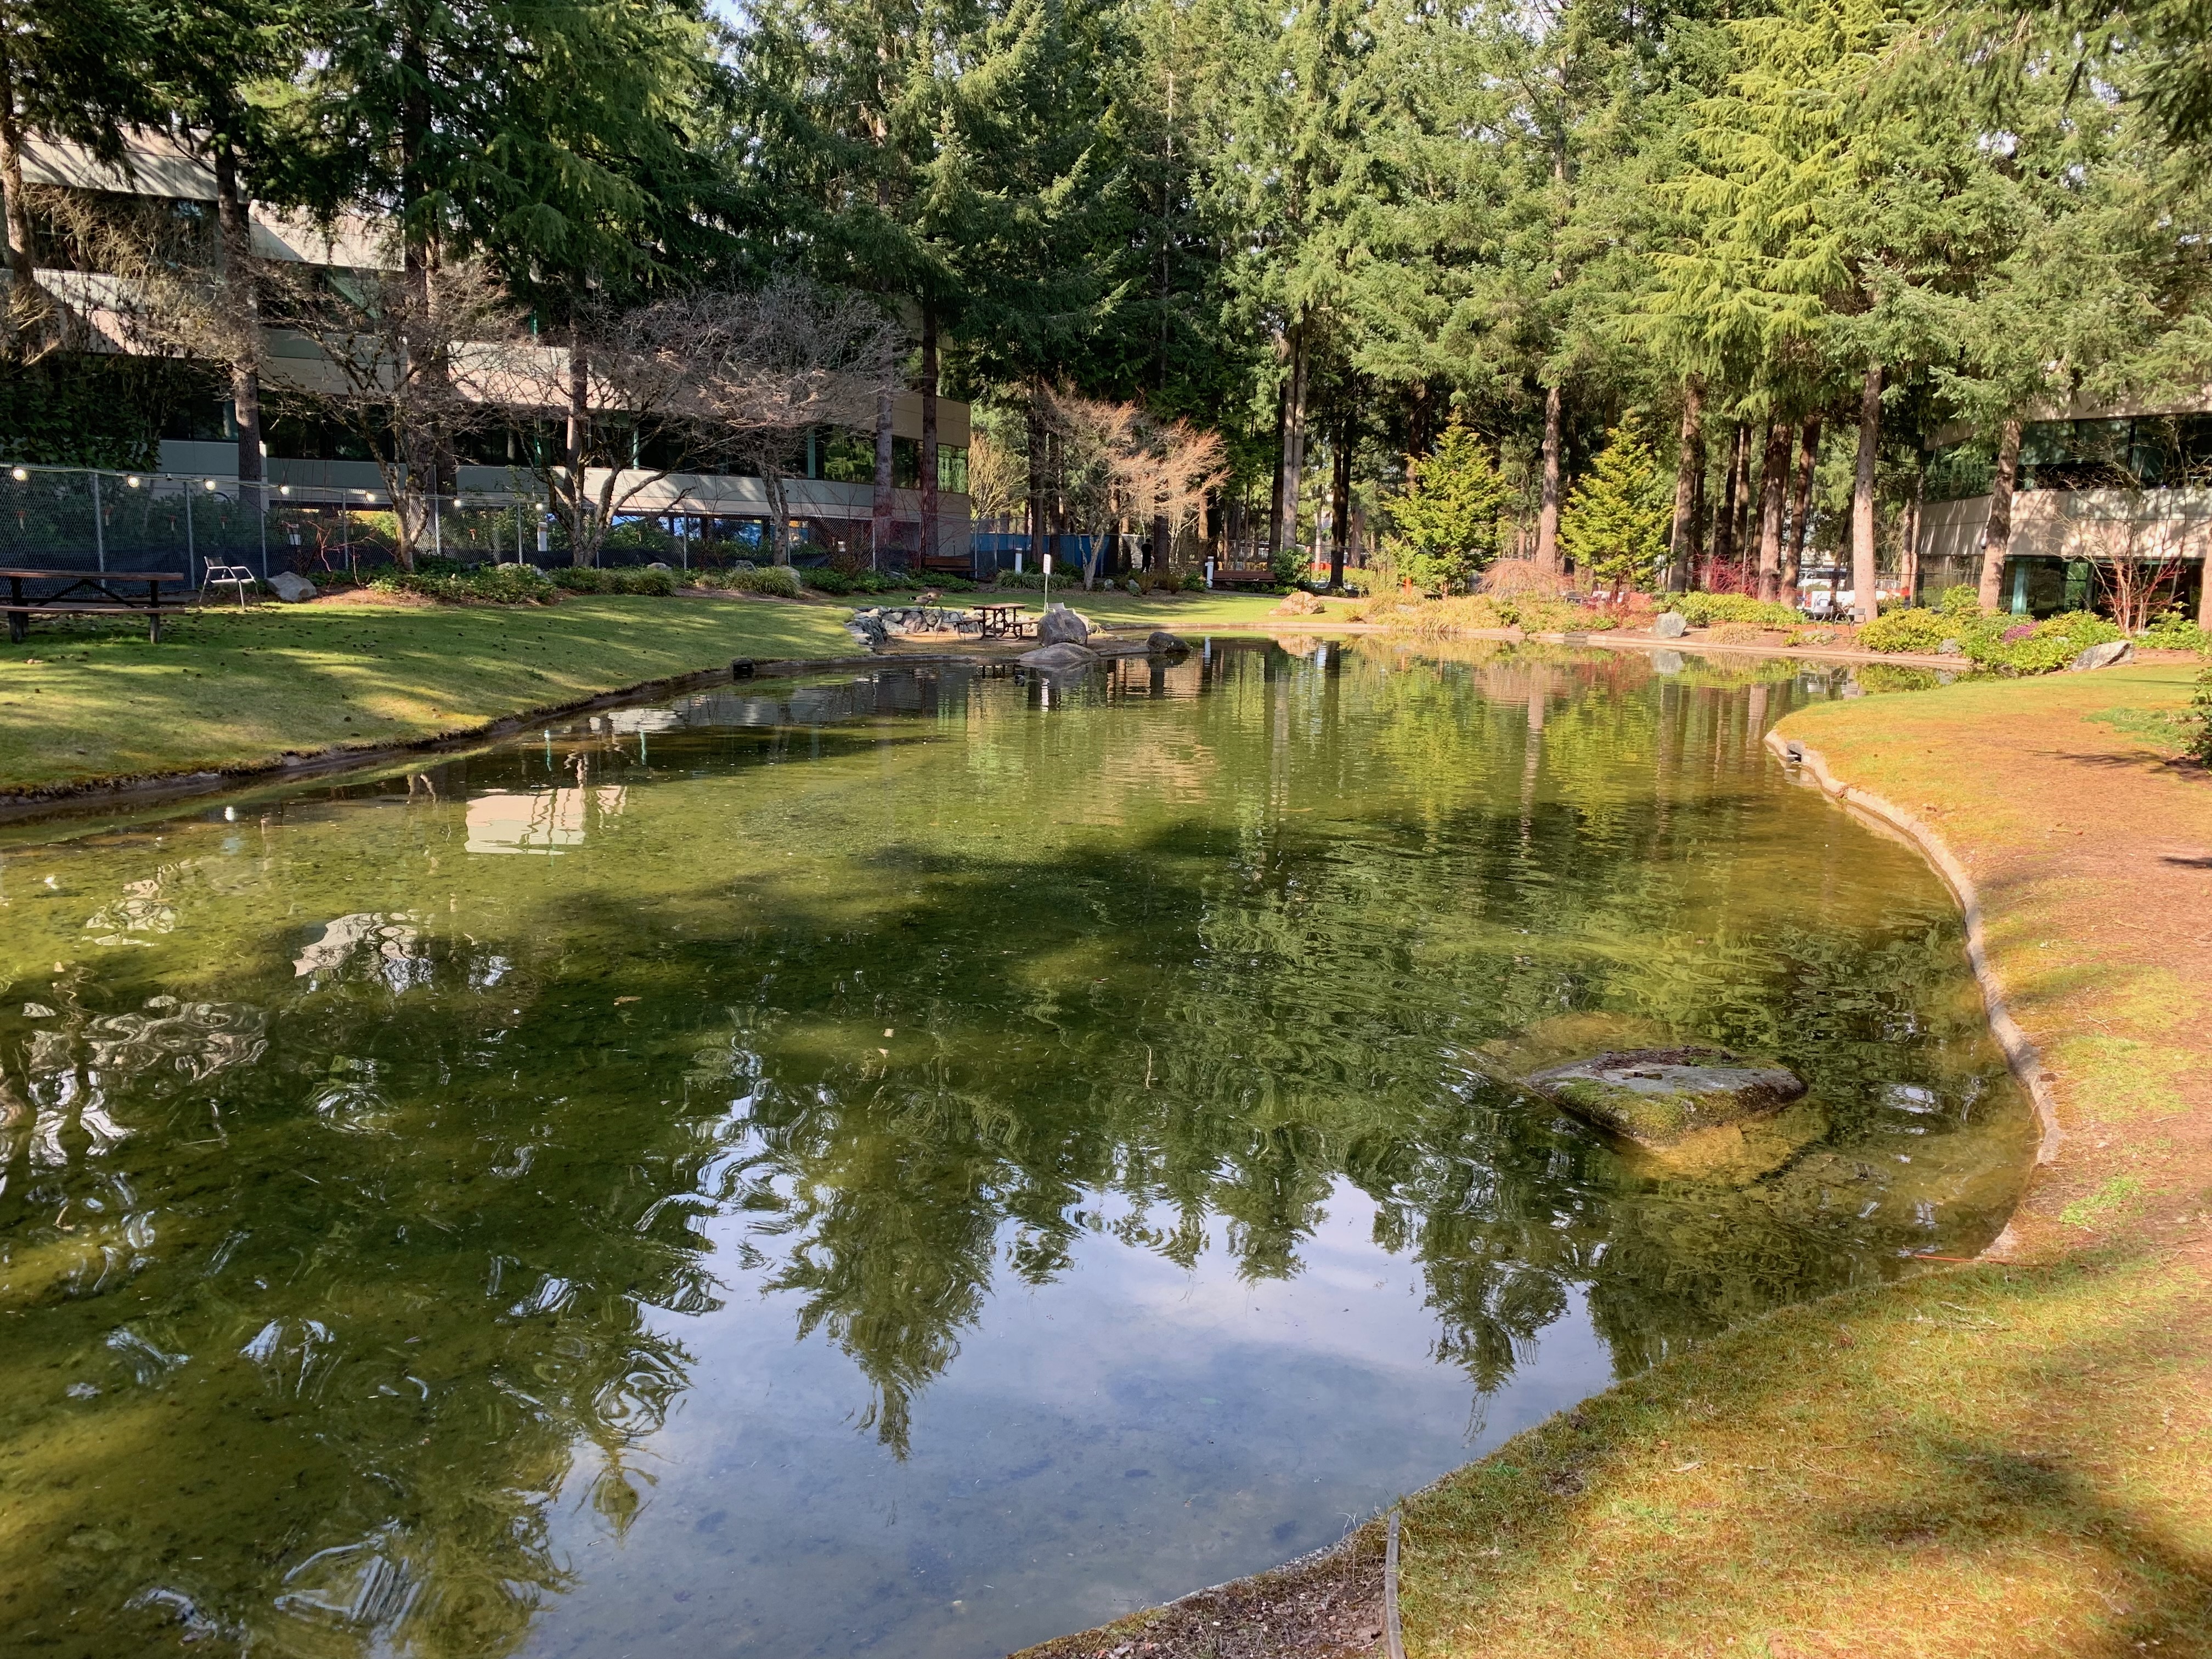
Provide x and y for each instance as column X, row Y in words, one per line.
column 99, row 596
column 1003, row 621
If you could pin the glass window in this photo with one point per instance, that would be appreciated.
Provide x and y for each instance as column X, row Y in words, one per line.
column 952, row 468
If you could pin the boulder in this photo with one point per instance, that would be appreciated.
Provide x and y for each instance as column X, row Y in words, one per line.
column 1670, row 625
column 1063, row 658
column 867, row 628
column 1159, row 640
column 2106, row 656
column 661, row 564
column 1656, row 1096
column 292, row 589
column 1950, row 648
column 1061, row 626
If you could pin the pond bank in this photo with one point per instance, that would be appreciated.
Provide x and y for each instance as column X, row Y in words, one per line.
column 2007, row 1456
column 96, row 716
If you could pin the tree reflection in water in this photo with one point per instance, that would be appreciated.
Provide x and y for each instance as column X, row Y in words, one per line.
column 363, row 1150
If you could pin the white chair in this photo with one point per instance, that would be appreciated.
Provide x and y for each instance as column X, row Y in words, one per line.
column 232, row 576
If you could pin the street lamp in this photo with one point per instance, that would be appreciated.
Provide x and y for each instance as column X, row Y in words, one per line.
column 131, row 480
column 20, row 475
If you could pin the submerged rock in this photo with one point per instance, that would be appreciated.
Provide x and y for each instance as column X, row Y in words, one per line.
column 1657, row 1097
column 1058, row 659
column 1167, row 644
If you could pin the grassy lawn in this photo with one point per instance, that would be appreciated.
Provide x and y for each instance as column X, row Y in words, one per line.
column 90, row 702
column 232, row 689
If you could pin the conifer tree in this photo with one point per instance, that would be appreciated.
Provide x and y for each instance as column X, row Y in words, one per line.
column 1448, row 514
column 1616, row 520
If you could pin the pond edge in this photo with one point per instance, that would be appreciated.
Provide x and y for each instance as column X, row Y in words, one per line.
column 1808, row 766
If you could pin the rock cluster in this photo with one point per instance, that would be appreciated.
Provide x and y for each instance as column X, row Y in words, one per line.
column 877, row 625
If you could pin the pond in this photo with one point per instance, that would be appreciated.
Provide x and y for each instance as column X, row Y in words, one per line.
column 918, row 1162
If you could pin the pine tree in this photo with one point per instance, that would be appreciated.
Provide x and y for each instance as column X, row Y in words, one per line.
column 1616, row 520
column 1448, row 514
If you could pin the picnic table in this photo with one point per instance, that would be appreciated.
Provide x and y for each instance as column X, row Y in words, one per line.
column 88, row 593
column 1003, row 621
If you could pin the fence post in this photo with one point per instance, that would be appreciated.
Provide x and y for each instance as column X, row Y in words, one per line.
column 189, row 559
column 99, row 530
column 261, row 506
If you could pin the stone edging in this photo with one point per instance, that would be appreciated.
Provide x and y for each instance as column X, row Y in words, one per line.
column 2021, row 1054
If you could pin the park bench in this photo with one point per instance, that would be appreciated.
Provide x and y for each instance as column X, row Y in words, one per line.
column 943, row 564
column 1243, row 576
column 86, row 593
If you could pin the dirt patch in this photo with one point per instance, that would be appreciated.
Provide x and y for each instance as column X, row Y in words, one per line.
column 1327, row 1606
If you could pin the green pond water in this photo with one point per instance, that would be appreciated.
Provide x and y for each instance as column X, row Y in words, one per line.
column 914, row 1163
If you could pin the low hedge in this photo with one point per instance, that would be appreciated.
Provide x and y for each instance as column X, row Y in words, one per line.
column 1703, row 609
column 493, row 583
column 602, row 578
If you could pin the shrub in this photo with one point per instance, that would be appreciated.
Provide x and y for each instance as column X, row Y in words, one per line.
column 2173, row 631
column 1448, row 514
column 1991, row 642
column 829, row 578
column 1911, row 629
column 601, row 579
column 493, row 584
column 779, row 579
column 1961, row 601
column 1703, row 609
column 2200, row 745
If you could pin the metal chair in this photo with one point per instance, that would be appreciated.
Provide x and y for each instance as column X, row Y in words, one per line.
column 234, row 575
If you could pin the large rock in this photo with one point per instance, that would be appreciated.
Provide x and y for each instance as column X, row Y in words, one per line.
column 1063, row 658
column 2105, row 655
column 293, row 590
column 1656, row 1096
column 1061, row 626
column 1670, row 625
column 1165, row 643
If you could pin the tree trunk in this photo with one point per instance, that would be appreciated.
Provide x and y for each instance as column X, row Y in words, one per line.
column 1911, row 538
column 1997, row 533
column 1282, row 463
column 1689, row 474
column 25, row 302
column 879, row 531
column 1294, row 440
column 1034, row 505
column 1547, row 512
column 242, row 303
column 583, row 545
column 1801, row 512
column 1862, row 548
column 1339, row 504
column 1773, row 480
column 928, row 433
column 1724, row 550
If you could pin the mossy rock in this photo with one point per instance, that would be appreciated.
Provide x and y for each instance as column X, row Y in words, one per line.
column 1655, row 1096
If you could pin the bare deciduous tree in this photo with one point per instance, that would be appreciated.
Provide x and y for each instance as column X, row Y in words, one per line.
column 690, row 381
column 1119, row 461
column 408, row 366
column 794, row 356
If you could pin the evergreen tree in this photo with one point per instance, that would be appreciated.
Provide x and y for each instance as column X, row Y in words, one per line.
column 1448, row 514
column 1616, row 521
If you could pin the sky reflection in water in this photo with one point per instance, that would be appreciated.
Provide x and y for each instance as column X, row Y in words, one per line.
column 919, row 1162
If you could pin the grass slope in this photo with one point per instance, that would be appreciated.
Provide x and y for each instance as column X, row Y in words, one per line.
column 93, row 702
column 232, row 689
column 2006, row 1458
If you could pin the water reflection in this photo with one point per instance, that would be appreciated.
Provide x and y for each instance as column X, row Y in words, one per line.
column 1109, row 1084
